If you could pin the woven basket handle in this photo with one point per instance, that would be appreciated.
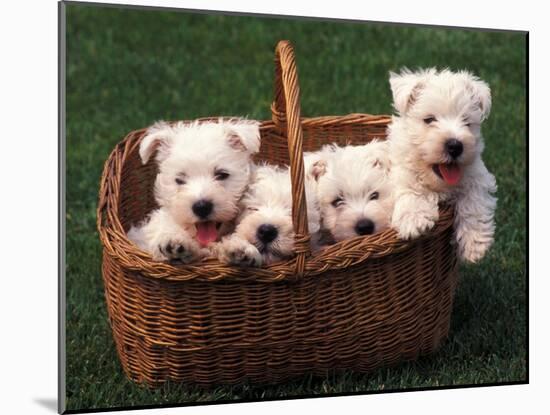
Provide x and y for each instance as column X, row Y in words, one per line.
column 286, row 116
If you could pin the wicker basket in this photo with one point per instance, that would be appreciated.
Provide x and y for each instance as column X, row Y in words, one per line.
column 361, row 304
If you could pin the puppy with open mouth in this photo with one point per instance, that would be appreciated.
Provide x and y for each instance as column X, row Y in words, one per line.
column 435, row 149
column 204, row 169
column 264, row 233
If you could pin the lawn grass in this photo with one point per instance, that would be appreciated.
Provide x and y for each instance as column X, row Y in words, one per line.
column 127, row 68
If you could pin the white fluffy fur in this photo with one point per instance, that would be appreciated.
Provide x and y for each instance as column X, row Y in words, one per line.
column 458, row 102
column 192, row 154
column 354, row 174
column 268, row 200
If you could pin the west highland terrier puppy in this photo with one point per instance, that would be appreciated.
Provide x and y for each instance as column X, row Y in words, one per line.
column 204, row 169
column 353, row 189
column 435, row 151
column 264, row 232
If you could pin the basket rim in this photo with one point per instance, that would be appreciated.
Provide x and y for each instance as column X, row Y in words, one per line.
column 338, row 256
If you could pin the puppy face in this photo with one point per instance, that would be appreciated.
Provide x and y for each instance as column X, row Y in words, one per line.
column 266, row 218
column 438, row 128
column 203, row 171
column 354, row 194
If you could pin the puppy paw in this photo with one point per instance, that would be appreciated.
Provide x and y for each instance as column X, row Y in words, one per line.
column 473, row 250
column 177, row 248
column 240, row 252
column 414, row 224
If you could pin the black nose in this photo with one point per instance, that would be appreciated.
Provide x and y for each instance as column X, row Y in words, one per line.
column 267, row 233
column 453, row 147
column 364, row 227
column 202, row 208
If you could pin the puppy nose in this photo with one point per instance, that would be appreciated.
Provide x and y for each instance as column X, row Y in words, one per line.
column 202, row 208
column 364, row 227
column 267, row 233
column 453, row 147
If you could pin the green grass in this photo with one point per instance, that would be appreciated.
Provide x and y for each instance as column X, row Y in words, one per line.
column 128, row 68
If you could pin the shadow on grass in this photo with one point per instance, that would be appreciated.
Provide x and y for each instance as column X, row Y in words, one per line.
column 48, row 403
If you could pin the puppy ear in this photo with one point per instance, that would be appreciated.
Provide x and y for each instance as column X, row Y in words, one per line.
column 383, row 166
column 377, row 154
column 317, row 169
column 158, row 137
column 481, row 94
column 244, row 136
column 316, row 163
column 405, row 88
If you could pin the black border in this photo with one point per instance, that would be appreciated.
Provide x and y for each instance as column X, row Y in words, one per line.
column 61, row 209
column 61, row 206
column 527, row 207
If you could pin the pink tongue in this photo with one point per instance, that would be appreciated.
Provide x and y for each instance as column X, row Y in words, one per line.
column 206, row 232
column 451, row 173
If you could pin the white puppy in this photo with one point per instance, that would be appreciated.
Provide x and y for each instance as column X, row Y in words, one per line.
column 353, row 189
column 204, row 169
column 435, row 146
column 264, row 232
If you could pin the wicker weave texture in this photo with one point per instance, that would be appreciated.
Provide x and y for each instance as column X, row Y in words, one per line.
column 360, row 304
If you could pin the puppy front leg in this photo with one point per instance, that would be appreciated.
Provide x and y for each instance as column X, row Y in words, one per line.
column 235, row 250
column 164, row 239
column 414, row 215
column 178, row 246
column 474, row 217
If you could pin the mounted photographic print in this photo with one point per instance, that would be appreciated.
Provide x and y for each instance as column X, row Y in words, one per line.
column 270, row 207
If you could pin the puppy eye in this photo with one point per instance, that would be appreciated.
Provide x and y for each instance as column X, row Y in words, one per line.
column 374, row 196
column 180, row 181
column 221, row 175
column 252, row 209
column 337, row 202
column 429, row 120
